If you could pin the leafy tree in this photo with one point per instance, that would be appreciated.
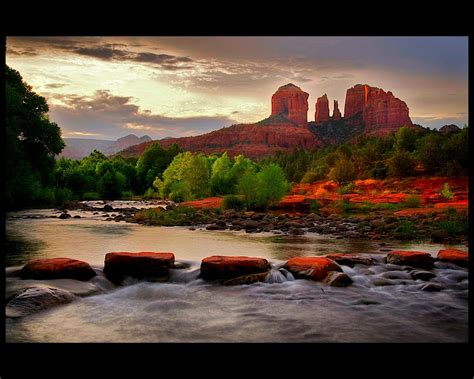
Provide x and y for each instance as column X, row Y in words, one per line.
column 401, row 164
column 31, row 143
column 221, row 180
column 248, row 187
column 343, row 172
column 405, row 139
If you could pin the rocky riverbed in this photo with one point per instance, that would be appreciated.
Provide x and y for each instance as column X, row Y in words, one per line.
column 375, row 226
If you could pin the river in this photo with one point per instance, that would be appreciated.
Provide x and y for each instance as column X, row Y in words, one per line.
column 187, row 309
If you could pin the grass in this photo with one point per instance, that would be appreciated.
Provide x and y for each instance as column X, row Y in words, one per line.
column 455, row 224
column 178, row 216
column 314, row 206
column 405, row 230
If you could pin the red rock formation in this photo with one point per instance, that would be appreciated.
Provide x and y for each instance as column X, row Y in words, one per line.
column 336, row 113
column 137, row 265
column 57, row 268
column 291, row 102
column 227, row 267
column 410, row 258
column 454, row 256
column 322, row 110
column 252, row 140
column 382, row 113
column 314, row 268
column 356, row 98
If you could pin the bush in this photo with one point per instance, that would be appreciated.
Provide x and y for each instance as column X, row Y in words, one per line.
column 446, row 192
column 150, row 193
column 401, row 164
column 233, row 202
column 91, row 196
column 412, row 201
column 62, row 195
column 127, row 195
column 180, row 192
column 342, row 172
column 178, row 216
column 314, row 206
column 348, row 188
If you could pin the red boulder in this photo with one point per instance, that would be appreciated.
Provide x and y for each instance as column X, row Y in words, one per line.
column 137, row 265
column 57, row 268
column 314, row 268
column 410, row 258
column 219, row 267
column 454, row 256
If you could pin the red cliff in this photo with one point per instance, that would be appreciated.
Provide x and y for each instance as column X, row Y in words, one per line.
column 336, row 113
column 382, row 113
column 292, row 103
column 322, row 110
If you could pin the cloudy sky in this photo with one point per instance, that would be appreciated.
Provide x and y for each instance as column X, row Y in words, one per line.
column 108, row 87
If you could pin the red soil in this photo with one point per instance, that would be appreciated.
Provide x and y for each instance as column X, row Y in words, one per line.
column 209, row 202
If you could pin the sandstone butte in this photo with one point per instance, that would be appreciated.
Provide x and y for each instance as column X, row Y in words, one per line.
column 367, row 110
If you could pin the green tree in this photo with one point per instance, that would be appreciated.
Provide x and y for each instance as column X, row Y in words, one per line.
column 32, row 141
column 343, row 172
column 401, row 164
column 221, row 179
column 405, row 139
column 248, row 187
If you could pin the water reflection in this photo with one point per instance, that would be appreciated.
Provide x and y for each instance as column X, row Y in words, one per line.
column 19, row 249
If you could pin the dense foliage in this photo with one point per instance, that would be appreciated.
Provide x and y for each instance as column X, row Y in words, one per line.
column 31, row 143
column 406, row 153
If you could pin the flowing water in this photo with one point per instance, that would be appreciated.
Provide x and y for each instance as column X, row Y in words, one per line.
column 384, row 304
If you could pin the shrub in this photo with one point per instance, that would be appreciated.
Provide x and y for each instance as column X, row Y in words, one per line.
column 348, row 188
column 342, row 172
column 233, row 202
column 314, row 206
column 180, row 191
column 127, row 195
column 91, row 196
column 178, row 216
column 412, row 201
column 446, row 192
column 150, row 193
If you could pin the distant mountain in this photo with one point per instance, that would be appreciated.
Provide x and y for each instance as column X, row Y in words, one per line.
column 446, row 129
column 78, row 148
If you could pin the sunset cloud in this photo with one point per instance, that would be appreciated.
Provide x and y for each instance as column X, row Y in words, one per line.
column 104, row 114
column 195, row 84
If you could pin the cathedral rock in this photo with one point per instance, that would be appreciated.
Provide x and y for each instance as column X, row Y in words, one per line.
column 292, row 103
column 381, row 112
column 367, row 110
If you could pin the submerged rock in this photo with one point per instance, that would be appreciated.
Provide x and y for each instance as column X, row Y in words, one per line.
column 423, row 275
column 410, row 258
column 454, row 256
column 63, row 216
column 431, row 287
column 247, row 279
column 57, row 268
column 227, row 267
column 35, row 299
column 338, row 279
column 351, row 259
column 314, row 268
column 143, row 265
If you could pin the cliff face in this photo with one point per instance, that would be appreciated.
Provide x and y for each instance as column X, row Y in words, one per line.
column 382, row 113
column 292, row 103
